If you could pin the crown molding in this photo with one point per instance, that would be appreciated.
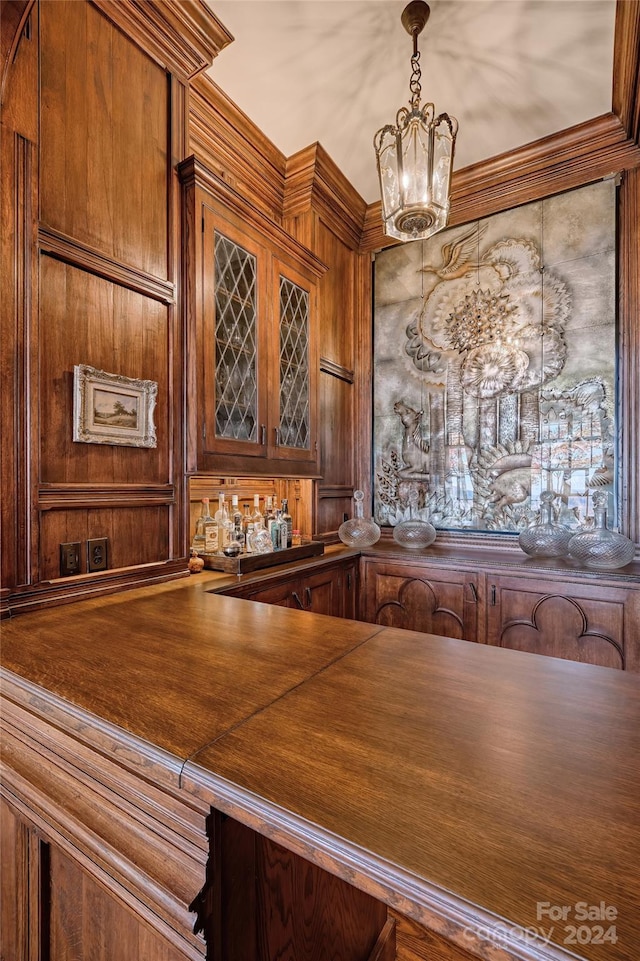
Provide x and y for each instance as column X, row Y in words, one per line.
column 626, row 67
column 183, row 36
column 313, row 180
column 234, row 148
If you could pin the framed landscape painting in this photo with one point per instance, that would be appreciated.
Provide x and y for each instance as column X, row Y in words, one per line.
column 113, row 409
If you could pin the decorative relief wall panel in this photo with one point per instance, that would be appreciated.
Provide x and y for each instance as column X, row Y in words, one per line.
column 495, row 366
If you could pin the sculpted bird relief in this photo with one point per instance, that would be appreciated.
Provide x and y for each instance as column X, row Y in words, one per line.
column 492, row 311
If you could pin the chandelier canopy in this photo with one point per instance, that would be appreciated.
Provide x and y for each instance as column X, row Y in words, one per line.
column 415, row 156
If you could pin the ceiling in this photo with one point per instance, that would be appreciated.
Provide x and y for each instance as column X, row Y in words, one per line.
column 335, row 71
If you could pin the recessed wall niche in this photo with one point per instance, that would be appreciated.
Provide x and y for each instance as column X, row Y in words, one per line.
column 495, row 367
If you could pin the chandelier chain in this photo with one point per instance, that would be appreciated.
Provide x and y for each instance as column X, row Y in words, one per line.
column 414, row 83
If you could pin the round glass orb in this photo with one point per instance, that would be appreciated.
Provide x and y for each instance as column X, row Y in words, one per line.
column 414, row 534
column 545, row 539
column 600, row 548
column 359, row 531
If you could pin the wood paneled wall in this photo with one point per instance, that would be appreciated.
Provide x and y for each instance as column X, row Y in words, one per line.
column 91, row 256
column 93, row 114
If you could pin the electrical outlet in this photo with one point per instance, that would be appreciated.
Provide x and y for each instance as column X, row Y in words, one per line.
column 69, row 559
column 97, row 554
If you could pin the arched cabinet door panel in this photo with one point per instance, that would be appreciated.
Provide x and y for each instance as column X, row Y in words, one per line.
column 419, row 598
column 586, row 621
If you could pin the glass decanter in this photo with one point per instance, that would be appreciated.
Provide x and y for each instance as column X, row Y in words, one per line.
column 359, row 531
column 546, row 539
column 601, row 548
column 414, row 533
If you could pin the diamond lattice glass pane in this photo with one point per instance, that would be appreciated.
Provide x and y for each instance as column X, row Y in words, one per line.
column 236, row 355
column 294, row 366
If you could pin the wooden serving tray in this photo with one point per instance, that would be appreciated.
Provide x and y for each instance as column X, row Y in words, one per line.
column 245, row 563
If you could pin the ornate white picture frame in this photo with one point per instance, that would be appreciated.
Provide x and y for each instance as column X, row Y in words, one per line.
column 113, row 409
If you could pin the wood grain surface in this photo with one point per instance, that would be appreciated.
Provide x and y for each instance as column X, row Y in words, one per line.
column 458, row 775
column 467, row 786
column 175, row 666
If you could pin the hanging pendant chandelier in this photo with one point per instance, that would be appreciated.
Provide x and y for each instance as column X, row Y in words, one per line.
column 415, row 156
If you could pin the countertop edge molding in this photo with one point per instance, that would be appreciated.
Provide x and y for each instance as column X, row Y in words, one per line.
column 154, row 764
column 467, row 925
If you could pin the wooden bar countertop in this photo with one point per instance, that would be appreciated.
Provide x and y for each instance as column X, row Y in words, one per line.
column 491, row 795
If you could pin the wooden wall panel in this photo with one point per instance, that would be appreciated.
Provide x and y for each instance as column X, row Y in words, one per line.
column 337, row 428
column 103, row 137
column 93, row 127
column 137, row 535
column 14, row 883
column 87, row 320
column 337, row 298
column 18, row 162
column 98, row 926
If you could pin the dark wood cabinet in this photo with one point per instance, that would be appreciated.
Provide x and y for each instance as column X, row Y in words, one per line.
column 53, row 908
column 261, row 901
column 97, row 861
column 19, row 897
column 329, row 589
column 584, row 620
column 501, row 600
column 418, row 597
column 252, row 335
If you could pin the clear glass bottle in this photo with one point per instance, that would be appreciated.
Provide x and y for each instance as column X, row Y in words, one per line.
column 248, row 538
column 287, row 520
column 222, row 520
column 278, row 531
column 205, row 539
column 269, row 513
column 246, row 520
column 359, row 531
column 600, row 548
column 414, row 532
column 261, row 541
column 257, row 518
column 236, row 519
column 545, row 539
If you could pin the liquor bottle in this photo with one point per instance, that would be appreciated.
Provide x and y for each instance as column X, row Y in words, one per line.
column 205, row 540
column 269, row 515
column 256, row 518
column 227, row 527
column 222, row 520
column 287, row 520
column 236, row 519
column 248, row 537
column 278, row 532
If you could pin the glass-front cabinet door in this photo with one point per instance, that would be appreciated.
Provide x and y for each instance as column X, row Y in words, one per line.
column 258, row 361
column 251, row 295
column 294, row 367
column 234, row 351
column 236, row 347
